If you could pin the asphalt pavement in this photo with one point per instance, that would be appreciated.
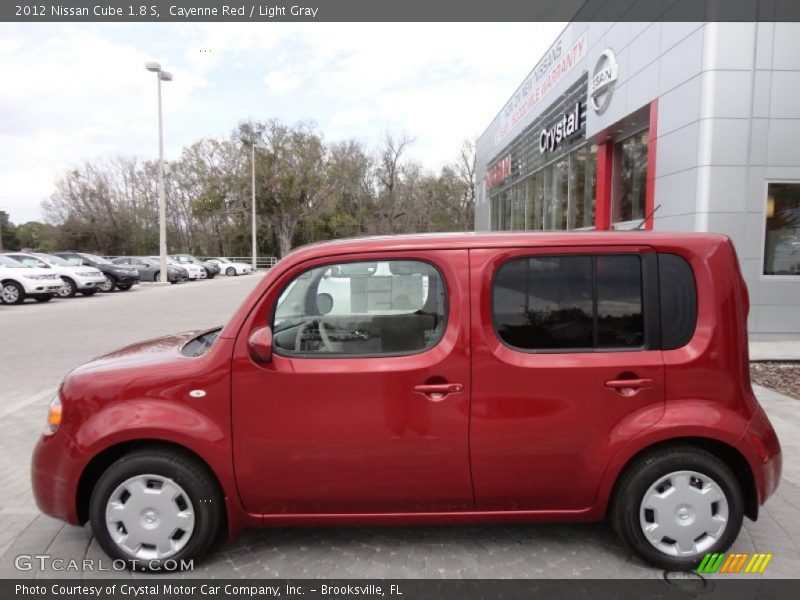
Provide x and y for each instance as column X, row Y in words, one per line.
column 40, row 343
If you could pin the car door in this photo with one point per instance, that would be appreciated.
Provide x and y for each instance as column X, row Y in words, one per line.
column 364, row 406
column 566, row 368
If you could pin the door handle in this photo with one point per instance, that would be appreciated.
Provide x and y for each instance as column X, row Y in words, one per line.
column 629, row 387
column 438, row 391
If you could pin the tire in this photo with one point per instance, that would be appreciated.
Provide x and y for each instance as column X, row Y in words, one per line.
column 90, row 292
column 230, row 271
column 68, row 289
column 13, row 293
column 682, row 469
column 43, row 297
column 108, row 285
column 210, row 275
column 198, row 499
column 124, row 286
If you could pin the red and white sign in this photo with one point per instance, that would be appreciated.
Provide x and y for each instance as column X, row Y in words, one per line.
column 550, row 70
column 498, row 172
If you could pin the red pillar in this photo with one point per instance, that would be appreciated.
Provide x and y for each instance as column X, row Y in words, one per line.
column 602, row 207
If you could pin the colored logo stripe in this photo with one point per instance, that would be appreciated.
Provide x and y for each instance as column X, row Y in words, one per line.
column 734, row 563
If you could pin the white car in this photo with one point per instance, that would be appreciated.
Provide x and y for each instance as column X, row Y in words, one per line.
column 231, row 268
column 195, row 271
column 77, row 279
column 20, row 282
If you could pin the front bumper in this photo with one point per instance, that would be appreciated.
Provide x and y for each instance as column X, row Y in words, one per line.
column 41, row 286
column 762, row 449
column 54, row 477
column 126, row 279
column 88, row 283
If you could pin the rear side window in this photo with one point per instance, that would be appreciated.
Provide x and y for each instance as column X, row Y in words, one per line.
column 576, row 302
column 678, row 301
column 384, row 308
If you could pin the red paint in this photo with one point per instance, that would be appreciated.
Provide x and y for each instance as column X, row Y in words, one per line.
column 526, row 437
column 650, row 189
column 605, row 169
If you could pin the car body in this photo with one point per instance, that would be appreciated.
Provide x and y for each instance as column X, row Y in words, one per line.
column 18, row 282
column 231, row 268
column 77, row 279
column 150, row 268
column 195, row 272
column 117, row 276
column 466, row 378
column 212, row 268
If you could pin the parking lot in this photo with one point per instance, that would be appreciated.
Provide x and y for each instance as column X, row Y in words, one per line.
column 41, row 342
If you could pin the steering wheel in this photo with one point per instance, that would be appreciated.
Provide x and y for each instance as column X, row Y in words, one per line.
column 323, row 333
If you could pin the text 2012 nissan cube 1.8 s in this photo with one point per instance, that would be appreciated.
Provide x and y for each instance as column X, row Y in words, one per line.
column 433, row 379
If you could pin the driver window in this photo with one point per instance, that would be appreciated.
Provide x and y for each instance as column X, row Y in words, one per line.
column 391, row 307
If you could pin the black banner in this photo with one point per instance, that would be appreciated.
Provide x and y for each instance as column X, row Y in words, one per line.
column 157, row 588
column 407, row 10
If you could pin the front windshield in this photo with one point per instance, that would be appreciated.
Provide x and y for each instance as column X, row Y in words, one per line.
column 53, row 260
column 97, row 259
column 222, row 260
column 6, row 261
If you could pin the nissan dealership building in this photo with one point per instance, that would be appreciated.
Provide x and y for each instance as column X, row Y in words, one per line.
column 662, row 126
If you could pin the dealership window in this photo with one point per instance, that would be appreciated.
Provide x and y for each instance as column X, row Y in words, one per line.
column 630, row 177
column 517, row 195
column 582, row 187
column 556, row 185
column 782, row 229
column 361, row 308
column 535, row 200
column 569, row 302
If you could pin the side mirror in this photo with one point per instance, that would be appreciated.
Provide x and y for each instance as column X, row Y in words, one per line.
column 260, row 345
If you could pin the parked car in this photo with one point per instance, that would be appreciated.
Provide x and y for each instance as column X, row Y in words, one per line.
column 117, row 276
column 150, row 268
column 231, row 268
column 19, row 282
column 212, row 268
column 495, row 377
column 195, row 271
column 85, row 280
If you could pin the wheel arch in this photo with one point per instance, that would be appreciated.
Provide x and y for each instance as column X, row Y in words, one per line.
column 103, row 459
column 723, row 451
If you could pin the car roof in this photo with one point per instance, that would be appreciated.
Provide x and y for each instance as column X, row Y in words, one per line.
column 474, row 240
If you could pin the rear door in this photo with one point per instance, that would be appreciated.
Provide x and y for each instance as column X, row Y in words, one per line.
column 566, row 367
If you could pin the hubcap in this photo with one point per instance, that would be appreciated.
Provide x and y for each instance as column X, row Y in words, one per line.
column 65, row 290
column 106, row 285
column 10, row 294
column 150, row 517
column 684, row 513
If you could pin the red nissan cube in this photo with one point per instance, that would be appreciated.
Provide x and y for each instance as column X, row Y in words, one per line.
column 432, row 379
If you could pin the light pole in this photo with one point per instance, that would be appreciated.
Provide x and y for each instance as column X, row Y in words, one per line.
column 162, row 203
column 253, row 185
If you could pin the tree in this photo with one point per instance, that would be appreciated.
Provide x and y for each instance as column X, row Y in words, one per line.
column 8, row 233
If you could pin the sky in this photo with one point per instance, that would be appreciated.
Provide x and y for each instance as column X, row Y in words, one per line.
column 77, row 92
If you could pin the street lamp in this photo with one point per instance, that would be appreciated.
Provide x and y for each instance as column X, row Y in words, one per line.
column 253, row 190
column 162, row 204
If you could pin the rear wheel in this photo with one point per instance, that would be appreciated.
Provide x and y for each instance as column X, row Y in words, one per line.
column 44, row 297
column 230, row 271
column 673, row 506
column 68, row 289
column 107, row 285
column 154, row 505
column 13, row 293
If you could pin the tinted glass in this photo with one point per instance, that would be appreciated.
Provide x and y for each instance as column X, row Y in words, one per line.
column 361, row 308
column 782, row 235
column 678, row 301
column 619, row 302
column 545, row 302
column 550, row 302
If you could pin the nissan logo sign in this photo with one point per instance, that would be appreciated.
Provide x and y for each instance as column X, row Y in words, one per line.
column 604, row 77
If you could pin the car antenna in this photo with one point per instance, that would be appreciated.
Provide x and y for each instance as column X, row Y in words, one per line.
column 652, row 212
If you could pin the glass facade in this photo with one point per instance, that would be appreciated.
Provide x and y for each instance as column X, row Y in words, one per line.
column 782, row 230
column 561, row 195
column 630, row 178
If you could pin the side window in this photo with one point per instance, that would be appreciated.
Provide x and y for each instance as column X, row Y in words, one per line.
column 678, row 301
column 577, row 302
column 380, row 308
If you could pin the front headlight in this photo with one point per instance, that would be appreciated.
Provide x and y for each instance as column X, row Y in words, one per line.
column 53, row 415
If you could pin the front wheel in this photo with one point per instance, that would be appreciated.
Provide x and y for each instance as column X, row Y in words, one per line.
column 90, row 292
column 154, row 505
column 43, row 297
column 230, row 271
column 124, row 286
column 13, row 293
column 68, row 289
column 673, row 506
